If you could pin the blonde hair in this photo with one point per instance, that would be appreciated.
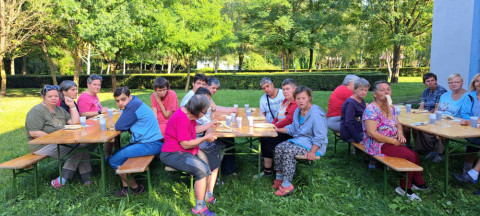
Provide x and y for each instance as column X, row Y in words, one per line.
column 472, row 83
column 453, row 76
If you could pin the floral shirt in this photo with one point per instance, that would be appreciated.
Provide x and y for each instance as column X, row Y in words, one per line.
column 385, row 126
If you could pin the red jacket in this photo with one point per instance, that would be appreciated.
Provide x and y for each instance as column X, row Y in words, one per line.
column 291, row 107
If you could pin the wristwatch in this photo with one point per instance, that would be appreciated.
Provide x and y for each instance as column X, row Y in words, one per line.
column 99, row 112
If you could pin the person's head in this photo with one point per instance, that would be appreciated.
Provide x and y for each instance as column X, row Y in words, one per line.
column 161, row 86
column 204, row 91
column 288, row 88
column 199, row 80
column 360, row 87
column 50, row 94
column 213, row 85
column 68, row 88
column 122, row 97
column 303, row 96
column 455, row 81
column 198, row 105
column 349, row 81
column 380, row 89
column 267, row 86
column 430, row 80
column 94, row 84
column 475, row 84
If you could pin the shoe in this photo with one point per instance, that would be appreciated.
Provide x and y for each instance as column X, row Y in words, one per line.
column 87, row 183
column 211, row 200
column 438, row 158
column 372, row 166
column 219, row 182
column 284, row 191
column 124, row 191
column 277, row 183
column 464, row 178
column 423, row 187
column 431, row 155
column 262, row 174
column 412, row 196
column 204, row 211
column 56, row 183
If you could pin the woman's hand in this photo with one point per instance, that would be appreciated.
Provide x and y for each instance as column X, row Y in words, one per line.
column 104, row 109
column 210, row 137
column 69, row 102
column 213, row 123
column 401, row 138
column 310, row 156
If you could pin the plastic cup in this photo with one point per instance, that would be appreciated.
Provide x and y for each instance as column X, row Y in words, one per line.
column 120, row 111
column 233, row 115
column 228, row 120
column 474, row 120
column 110, row 112
column 409, row 108
column 239, row 122
column 83, row 121
column 432, row 117
column 250, row 121
column 249, row 112
column 397, row 110
column 439, row 115
column 235, row 105
column 247, row 106
column 103, row 124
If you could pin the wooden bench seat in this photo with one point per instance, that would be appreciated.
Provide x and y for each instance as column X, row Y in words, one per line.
column 309, row 162
column 23, row 164
column 302, row 157
column 137, row 165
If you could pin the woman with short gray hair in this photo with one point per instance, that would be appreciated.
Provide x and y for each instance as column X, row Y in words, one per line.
column 336, row 100
column 181, row 149
column 68, row 89
column 352, row 111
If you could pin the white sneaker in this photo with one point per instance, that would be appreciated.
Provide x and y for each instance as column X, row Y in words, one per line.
column 412, row 196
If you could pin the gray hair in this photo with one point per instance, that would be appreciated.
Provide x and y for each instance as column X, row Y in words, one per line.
column 65, row 86
column 350, row 78
column 213, row 81
column 361, row 83
column 377, row 83
column 197, row 104
column 454, row 75
column 94, row 77
column 265, row 80
column 289, row 81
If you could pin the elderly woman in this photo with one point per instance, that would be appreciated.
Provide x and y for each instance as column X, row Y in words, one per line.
column 336, row 100
column 164, row 102
column 181, row 149
column 450, row 103
column 309, row 132
column 284, row 117
column 68, row 89
column 46, row 118
column 383, row 136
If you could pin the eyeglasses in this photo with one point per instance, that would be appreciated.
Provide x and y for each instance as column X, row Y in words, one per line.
column 96, row 77
column 204, row 112
column 450, row 83
column 50, row 87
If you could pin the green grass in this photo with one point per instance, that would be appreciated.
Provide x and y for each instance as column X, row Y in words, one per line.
column 343, row 184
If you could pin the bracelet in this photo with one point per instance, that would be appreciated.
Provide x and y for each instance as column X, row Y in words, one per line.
column 73, row 108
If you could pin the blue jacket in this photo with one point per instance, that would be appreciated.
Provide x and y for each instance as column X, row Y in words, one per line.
column 469, row 104
column 140, row 120
column 313, row 131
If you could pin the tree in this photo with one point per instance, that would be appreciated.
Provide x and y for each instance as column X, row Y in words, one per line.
column 403, row 20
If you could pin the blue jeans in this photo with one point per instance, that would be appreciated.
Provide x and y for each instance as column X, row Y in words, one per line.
column 135, row 150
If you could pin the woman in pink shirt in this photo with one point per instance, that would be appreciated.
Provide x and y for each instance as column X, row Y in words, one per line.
column 181, row 150
column 88, row 103
column 164, row 102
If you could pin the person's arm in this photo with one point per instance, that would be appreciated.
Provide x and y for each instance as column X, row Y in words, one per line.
column 349, row 117
column 210, row 137
column 226, row 109
column 126, row 120
column 288, row 117
column 203, row 128
column 422, row 106
column 74, row 116
column 311, row 155
column 371, row 127
column 165, row 112
column 34, row 124
column 465, row 111
column 400, row 137
column 320, row 133
column 281, row 130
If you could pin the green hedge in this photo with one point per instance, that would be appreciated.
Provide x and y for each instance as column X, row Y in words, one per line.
column 316, row 81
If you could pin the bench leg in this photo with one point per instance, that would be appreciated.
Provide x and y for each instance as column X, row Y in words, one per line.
column 150, row 192
column 406, row 183
column 311, row 172
column 192, row 190
column 102, row 168
column 14, row 183
column 447, row 153
column 35, row 179
column 335, row 146
column 128, row 188
column 384, row 181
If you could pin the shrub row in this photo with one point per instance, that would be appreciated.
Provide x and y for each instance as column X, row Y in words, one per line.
column 316, row 81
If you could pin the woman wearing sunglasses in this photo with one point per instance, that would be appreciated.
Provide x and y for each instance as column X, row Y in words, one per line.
column 88, row 103
column 46, row 118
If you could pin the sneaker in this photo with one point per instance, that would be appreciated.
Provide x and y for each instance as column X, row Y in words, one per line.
column 211, row 200
column 438, row 158
column 430, row 155
column 277, row 183
column 87, row 183
column 204, row 211
column 477, row 192
column 262, row 174
column 464, row 178
column 124, row 191
column 284, row 191
column 372, row 166
column 56, row 183
column 423, row 187
column 412, row 196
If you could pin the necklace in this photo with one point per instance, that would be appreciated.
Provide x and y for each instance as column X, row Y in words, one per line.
column 381, row 109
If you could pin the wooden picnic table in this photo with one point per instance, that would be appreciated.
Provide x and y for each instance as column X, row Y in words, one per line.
column 90, row 134
column 444, row 129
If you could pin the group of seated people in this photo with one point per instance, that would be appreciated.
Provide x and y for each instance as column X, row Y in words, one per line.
column 376, row 125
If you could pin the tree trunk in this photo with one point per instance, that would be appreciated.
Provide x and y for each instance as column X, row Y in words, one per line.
column 88, row 58
column 108, row 68
column 162, row 64
column 397, row 51
column 285, row 60
column 155, row 65
column 240, row 61
column 3, row 74
column 50, row 63
column 217, row 59
column 12, row 66
column 24, row 65
column 113, row 65
column 187, row 59
column 169, row 68
column 141, row 67
column 77, row 65
column 124, row 62
column 101, row 70
column 310, row 64
column 387, row 58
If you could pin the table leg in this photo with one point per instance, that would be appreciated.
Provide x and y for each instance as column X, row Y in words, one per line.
column 447, row 152
column 102, row 167
column 59, row 164
column 259, row 164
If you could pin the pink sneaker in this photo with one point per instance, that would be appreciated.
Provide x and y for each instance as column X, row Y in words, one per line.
column 211, row 200
column 56, row 183
column 204, row 211
column 284, row 191
column 277, row 183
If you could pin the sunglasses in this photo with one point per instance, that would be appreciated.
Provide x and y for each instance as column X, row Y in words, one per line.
column 50, row 87
column 96, row 77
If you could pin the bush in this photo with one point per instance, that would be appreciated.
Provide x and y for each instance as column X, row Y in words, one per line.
column 316, row 81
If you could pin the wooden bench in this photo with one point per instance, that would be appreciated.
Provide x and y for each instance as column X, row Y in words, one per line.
column 337, row 138
column 137, row 165
column 21, row 165
column 392, row 163
column 309, row 162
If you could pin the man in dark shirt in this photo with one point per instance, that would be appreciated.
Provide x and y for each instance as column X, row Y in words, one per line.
column 431, row 95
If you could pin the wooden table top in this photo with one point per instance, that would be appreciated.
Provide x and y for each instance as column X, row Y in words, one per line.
column 91, row 134
column 245, row 130
column 449, row 129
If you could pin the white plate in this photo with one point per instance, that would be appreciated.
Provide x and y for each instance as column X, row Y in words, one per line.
column 263, row 125
column 72, row 127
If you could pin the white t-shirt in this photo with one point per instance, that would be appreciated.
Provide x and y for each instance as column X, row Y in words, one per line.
column 187, row 97
column 275, row 104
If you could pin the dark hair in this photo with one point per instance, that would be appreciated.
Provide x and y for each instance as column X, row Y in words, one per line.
column 161, row 82
column 203, row 91
column 197, row 104
column 121, row 90
column 65, row 86
column 213, row 81
column 428, row 76
column 377, row 83
column 47, row 88
column 301, row 89
column 199, row 76
column 289, row 81
column 94, row 77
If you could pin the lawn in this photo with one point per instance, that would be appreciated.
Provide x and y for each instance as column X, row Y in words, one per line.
column 343, row 185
